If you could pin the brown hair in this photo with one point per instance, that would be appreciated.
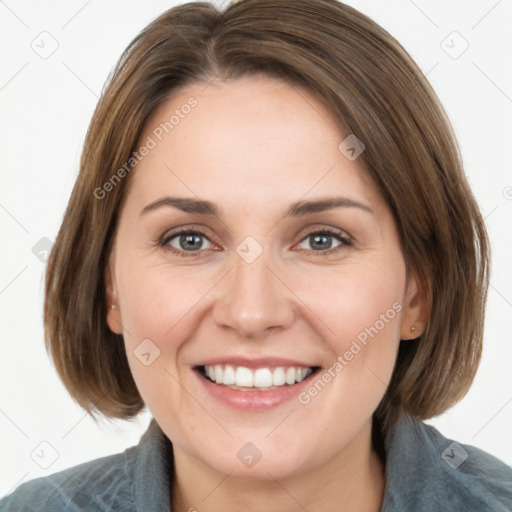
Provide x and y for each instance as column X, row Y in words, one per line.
column 372, row 86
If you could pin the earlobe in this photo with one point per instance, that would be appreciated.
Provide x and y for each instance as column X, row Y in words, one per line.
column 113, row 313
column 416, row 309
column 114, row 320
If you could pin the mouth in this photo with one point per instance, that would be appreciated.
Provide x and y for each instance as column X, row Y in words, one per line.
column 265, row 378
column 254, row 384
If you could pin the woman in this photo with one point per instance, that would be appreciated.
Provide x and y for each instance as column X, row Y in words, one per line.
column 272, row 245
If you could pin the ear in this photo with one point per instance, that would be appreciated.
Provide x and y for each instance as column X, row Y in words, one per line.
column 113, row 311
column 416, row 308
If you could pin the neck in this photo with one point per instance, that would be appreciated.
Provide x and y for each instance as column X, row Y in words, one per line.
column 353, row 480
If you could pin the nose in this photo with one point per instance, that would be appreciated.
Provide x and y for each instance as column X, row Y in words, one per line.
column 254, row 299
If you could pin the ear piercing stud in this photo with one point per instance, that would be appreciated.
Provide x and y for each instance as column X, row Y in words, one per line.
column 413, row 328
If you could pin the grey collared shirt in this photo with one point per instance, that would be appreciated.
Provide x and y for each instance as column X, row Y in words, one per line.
column 425, row 472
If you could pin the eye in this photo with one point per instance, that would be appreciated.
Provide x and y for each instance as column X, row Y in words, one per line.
column 186, row 242
column 190, row 242
column 321, row 241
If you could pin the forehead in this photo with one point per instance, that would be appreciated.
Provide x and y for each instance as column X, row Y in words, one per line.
column 250, row 139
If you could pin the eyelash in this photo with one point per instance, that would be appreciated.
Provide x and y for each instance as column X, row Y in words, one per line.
column 345, row 241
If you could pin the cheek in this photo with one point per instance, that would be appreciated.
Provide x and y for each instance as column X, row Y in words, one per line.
column 156, row 302
column 357, row 295
column 161, row 304
column 157, row 307
column 361, row 308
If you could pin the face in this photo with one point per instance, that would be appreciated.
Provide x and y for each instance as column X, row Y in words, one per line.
column 306, row 305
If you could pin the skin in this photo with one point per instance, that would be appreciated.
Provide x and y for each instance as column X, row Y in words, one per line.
column 253, row 146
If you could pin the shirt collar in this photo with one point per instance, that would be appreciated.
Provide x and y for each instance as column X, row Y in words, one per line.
column 151, row 478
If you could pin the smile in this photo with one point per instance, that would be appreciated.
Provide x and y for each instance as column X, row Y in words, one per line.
column 254, row 384
column 257, row 379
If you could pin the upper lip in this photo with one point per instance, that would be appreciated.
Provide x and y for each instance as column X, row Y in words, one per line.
column 259, row 362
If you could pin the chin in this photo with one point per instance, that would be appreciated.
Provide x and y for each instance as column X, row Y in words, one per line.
column 278, row 464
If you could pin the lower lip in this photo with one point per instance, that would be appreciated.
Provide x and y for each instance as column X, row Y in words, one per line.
column 253, row 400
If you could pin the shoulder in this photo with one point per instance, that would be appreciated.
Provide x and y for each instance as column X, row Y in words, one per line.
column 136, row 479
column 100, row 484
column 428, row 470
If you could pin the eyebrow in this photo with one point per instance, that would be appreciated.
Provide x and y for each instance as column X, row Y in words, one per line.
column 297, row 209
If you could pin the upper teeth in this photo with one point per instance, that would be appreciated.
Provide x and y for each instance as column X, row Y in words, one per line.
column 259, row 378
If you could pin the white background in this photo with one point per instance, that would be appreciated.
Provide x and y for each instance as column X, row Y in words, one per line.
column 46, row 105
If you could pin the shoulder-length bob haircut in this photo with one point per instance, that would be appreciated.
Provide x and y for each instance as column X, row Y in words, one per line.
column 375, row 90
